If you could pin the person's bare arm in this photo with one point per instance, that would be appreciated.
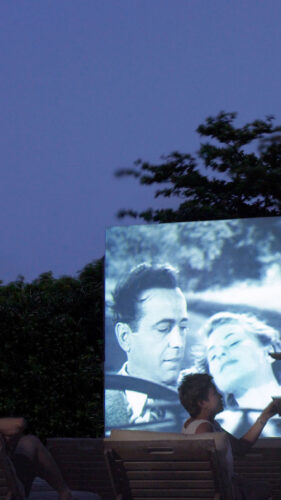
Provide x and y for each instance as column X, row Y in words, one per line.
column 11, row 426
column 254, row 432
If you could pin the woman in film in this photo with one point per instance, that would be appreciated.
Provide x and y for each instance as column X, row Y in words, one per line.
column 236, row 352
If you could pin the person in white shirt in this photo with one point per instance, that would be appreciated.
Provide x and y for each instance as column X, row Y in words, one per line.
column 200, row 397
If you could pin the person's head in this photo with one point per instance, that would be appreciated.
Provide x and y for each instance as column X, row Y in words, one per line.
column 236, row 351
column 151, row 323
column 197, row 391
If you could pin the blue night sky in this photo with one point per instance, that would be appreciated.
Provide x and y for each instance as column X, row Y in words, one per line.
column 88, row 86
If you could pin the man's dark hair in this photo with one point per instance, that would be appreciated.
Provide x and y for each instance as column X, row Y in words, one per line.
column 127, row 293
column 192, row 389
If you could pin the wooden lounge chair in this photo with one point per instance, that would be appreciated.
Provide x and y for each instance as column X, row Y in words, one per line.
column 178, row 467
column 82, row 464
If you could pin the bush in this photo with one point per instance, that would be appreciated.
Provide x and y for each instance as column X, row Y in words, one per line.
column 51, row 353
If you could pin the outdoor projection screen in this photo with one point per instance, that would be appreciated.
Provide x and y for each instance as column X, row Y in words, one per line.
column 231, row 267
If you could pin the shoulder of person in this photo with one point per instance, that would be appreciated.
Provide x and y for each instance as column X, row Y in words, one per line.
column 193, row 426
column 204, row 427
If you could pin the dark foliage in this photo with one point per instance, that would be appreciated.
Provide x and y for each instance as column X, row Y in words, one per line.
column 52, row 353
column 235, row 174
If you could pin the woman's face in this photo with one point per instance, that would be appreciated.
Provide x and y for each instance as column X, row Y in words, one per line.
column 235, row 358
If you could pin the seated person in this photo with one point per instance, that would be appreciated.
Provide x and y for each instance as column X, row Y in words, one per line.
column 30, row 458
column 200, row 397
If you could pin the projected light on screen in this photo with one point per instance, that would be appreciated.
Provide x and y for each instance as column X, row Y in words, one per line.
column 192, row 297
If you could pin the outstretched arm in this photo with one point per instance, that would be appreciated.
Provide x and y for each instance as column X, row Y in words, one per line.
column 253, row 433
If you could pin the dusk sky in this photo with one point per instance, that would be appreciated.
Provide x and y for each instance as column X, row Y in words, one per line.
column 89, row 86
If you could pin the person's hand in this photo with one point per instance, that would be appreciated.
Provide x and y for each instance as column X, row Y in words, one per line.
column 269, row 411
column 277, row 402
column 275, row 355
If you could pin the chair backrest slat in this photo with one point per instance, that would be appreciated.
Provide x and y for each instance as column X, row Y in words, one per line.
column 165, row 469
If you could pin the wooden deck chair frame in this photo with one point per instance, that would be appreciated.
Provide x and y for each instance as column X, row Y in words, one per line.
column 165, row 469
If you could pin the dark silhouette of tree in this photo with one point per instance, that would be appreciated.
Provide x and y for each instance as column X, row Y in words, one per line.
column 235, row 174
column 51, row 354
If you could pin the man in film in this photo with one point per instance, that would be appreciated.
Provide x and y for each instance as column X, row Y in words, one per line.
column 151, row 321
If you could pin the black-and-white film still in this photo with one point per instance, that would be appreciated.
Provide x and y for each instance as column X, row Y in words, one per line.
column 192, row 297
